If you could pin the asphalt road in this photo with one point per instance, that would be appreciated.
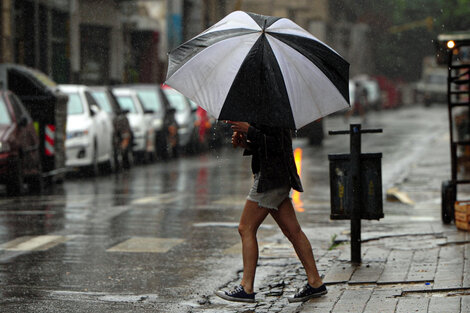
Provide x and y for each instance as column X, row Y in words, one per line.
column 158, row 237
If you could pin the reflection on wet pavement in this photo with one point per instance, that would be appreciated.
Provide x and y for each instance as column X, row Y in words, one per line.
column 150, row 235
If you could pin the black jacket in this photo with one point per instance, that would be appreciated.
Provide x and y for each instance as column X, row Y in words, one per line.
column 272, row 157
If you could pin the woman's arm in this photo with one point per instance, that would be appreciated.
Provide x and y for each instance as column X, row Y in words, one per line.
column 255, row 137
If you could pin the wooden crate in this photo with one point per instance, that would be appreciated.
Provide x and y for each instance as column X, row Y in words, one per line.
column 462, row 215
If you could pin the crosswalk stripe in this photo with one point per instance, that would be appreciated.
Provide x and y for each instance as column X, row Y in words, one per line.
column 163, row 198
column 36, row 243
column 146, row 245
column 266, row 249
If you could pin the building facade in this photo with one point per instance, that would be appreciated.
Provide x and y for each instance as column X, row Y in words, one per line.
column 112, row 41
column 80, row 41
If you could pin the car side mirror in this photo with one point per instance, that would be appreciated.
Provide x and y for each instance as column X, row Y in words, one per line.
column 148, row 111
column 94, row 109
column 125, row 111
column 172, row 110
column 23, row 121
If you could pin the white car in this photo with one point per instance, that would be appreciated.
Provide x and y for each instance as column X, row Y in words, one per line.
column 141, row 122
column 185, row 116
column 89, row 131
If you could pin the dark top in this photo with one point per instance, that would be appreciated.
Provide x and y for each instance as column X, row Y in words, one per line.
column 272, row 157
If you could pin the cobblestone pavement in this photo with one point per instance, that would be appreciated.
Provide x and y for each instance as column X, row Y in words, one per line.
column 411, row 262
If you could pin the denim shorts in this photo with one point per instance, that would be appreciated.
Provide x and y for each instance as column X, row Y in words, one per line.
column 270, row 199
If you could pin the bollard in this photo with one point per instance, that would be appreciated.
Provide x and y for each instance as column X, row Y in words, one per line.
column 356, row 199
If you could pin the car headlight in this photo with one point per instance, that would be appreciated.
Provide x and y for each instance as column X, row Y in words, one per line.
column 4, row 147
column 77, row 133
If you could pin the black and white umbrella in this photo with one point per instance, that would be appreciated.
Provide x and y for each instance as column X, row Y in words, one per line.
column 260, row 69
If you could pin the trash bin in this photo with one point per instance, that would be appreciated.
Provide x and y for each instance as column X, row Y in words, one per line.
column 341, row 186
column 48, row 109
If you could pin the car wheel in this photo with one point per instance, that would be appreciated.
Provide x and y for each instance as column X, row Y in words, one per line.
column 16, row 179
column 119, row 157
column 128, row 157
column 162, row 145
column 112, row 163
column 36, row 182
column 94, row 167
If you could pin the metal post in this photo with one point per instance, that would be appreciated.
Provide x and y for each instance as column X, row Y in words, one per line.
column 355, row 146
column 37, row 49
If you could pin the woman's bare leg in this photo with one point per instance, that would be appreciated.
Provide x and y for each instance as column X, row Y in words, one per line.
column 286, row 219
column 251, row 219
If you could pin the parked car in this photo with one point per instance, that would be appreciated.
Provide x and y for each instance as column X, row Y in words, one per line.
column 20, row 159
column 122, row 132
column 374, row 94
column 185, row 117
column 140, row 121
column 432, row 88
column 163, row 118
column 89, row 141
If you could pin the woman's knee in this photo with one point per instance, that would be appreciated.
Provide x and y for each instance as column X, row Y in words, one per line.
column 247, row 229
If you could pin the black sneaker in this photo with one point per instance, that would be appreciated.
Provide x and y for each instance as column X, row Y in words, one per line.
column 308, row 292
column 238, row 294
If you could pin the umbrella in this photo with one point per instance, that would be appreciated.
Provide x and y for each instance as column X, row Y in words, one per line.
column 260, row 69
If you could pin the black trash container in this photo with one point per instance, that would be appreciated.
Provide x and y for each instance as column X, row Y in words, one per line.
column 341, row 186
column 48, row 109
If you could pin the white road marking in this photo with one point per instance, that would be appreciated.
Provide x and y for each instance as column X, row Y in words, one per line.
column 146, row 245
column 37, row 243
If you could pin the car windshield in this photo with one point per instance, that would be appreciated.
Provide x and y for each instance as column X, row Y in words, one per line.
column 150, row 100
column 177, row 100
column 5, row 118
column 75, row 105
column 102, row 99
column 126, row 103
column 437, row 79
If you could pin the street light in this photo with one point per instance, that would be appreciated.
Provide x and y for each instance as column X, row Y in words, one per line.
column 450, row 44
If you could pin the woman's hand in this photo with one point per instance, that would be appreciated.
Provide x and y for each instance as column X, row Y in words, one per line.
column 239, row 140
column 241, row 127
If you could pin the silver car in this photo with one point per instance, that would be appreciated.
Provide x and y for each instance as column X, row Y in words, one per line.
column 141, row 123
column 185, row 117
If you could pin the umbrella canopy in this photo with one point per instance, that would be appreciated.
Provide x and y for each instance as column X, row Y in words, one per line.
column 260, row 69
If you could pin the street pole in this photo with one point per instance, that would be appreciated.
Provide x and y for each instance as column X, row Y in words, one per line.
column 355, row 146
column 37, row 49
column 356, row 203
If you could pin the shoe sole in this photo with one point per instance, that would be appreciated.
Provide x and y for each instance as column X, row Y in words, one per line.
column 303, row 299
column 225, row 297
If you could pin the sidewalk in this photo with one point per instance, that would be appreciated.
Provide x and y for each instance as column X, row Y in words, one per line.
column 411, row 262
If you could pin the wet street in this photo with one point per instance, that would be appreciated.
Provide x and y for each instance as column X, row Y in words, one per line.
column 161, row 236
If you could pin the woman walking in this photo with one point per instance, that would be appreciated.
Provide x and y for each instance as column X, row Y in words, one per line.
column 275, row 174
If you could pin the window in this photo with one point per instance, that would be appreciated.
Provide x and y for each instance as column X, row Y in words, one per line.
column 103, row 102
column 75, row 105
column 18, row 107
column 150, row 100
column 16, row 110
column 95, row 48
column 177, row 100
column 126, row 103
column 5, row 118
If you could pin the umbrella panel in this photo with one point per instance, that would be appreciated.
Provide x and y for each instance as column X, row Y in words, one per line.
column 258, row 93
